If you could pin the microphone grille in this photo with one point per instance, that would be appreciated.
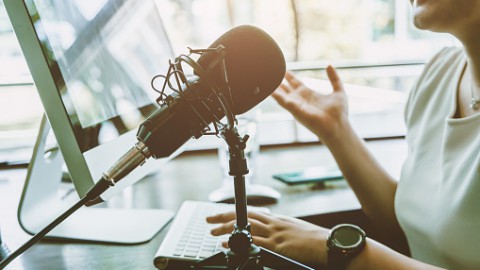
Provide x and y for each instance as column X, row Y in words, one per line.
column 254, row 62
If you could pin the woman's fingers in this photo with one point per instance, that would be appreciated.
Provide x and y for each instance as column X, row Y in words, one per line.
column 263, row 242
column 280, row 97
column 293, row 83
column 263, row 217
column 221, row 218
column 228, row 216
column 258, row 222
column 292, row 80
column 286, row 100
column 285, row 87
column 257, row 228
column 223, row 229
column 334, row 79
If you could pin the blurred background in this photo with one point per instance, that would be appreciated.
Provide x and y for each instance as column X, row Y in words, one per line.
column 372, row 42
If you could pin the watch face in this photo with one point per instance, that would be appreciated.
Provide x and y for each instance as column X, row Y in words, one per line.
column 347, row 237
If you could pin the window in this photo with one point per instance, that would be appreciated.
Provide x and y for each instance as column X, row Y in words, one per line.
column 20, row 107
column 372, row 42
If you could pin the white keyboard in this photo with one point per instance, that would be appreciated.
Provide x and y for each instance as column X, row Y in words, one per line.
column 189, row 238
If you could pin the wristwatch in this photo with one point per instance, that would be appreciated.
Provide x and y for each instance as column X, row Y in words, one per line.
column 344, row 242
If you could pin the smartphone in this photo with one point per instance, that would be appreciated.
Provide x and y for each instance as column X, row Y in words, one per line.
column 310, row 175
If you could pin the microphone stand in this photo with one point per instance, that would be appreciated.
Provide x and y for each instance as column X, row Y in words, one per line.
column 242, row 253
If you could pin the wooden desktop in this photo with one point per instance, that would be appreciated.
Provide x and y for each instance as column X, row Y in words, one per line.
column 192, row 176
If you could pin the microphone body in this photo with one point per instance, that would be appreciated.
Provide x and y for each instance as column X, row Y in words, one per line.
column 177, row 121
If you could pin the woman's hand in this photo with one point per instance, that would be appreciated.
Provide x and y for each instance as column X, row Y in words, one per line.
column 290, row 237
column 322, row 114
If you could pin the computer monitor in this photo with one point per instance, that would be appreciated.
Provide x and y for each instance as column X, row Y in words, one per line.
column 92, row 63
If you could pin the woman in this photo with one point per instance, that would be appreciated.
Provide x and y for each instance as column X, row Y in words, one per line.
column 436, row 203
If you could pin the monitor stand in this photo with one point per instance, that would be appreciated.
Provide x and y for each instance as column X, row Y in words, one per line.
column 42, row 201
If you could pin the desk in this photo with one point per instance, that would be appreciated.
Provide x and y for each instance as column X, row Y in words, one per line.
column 191, row 176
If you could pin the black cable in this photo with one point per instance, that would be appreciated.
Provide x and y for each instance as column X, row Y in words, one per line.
column 94, row 192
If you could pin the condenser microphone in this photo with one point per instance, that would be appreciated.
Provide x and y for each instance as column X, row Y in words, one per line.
column 254, row 67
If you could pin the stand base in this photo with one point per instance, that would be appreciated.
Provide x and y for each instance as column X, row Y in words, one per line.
column 259, row 259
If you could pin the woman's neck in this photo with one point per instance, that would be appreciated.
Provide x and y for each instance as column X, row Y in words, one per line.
column 472, row 49
column 469, row 85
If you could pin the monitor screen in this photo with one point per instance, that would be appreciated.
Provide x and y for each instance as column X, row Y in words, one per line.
column 103, row 55
column 92, row 62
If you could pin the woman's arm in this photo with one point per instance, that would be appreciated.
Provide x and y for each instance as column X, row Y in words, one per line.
column 376, row 256
column 307, row 243
column 327, row 117
column 373, row 186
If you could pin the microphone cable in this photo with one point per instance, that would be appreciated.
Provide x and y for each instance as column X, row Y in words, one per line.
column 94, row 192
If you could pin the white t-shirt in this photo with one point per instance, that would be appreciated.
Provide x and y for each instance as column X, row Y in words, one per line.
column 437, row 202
